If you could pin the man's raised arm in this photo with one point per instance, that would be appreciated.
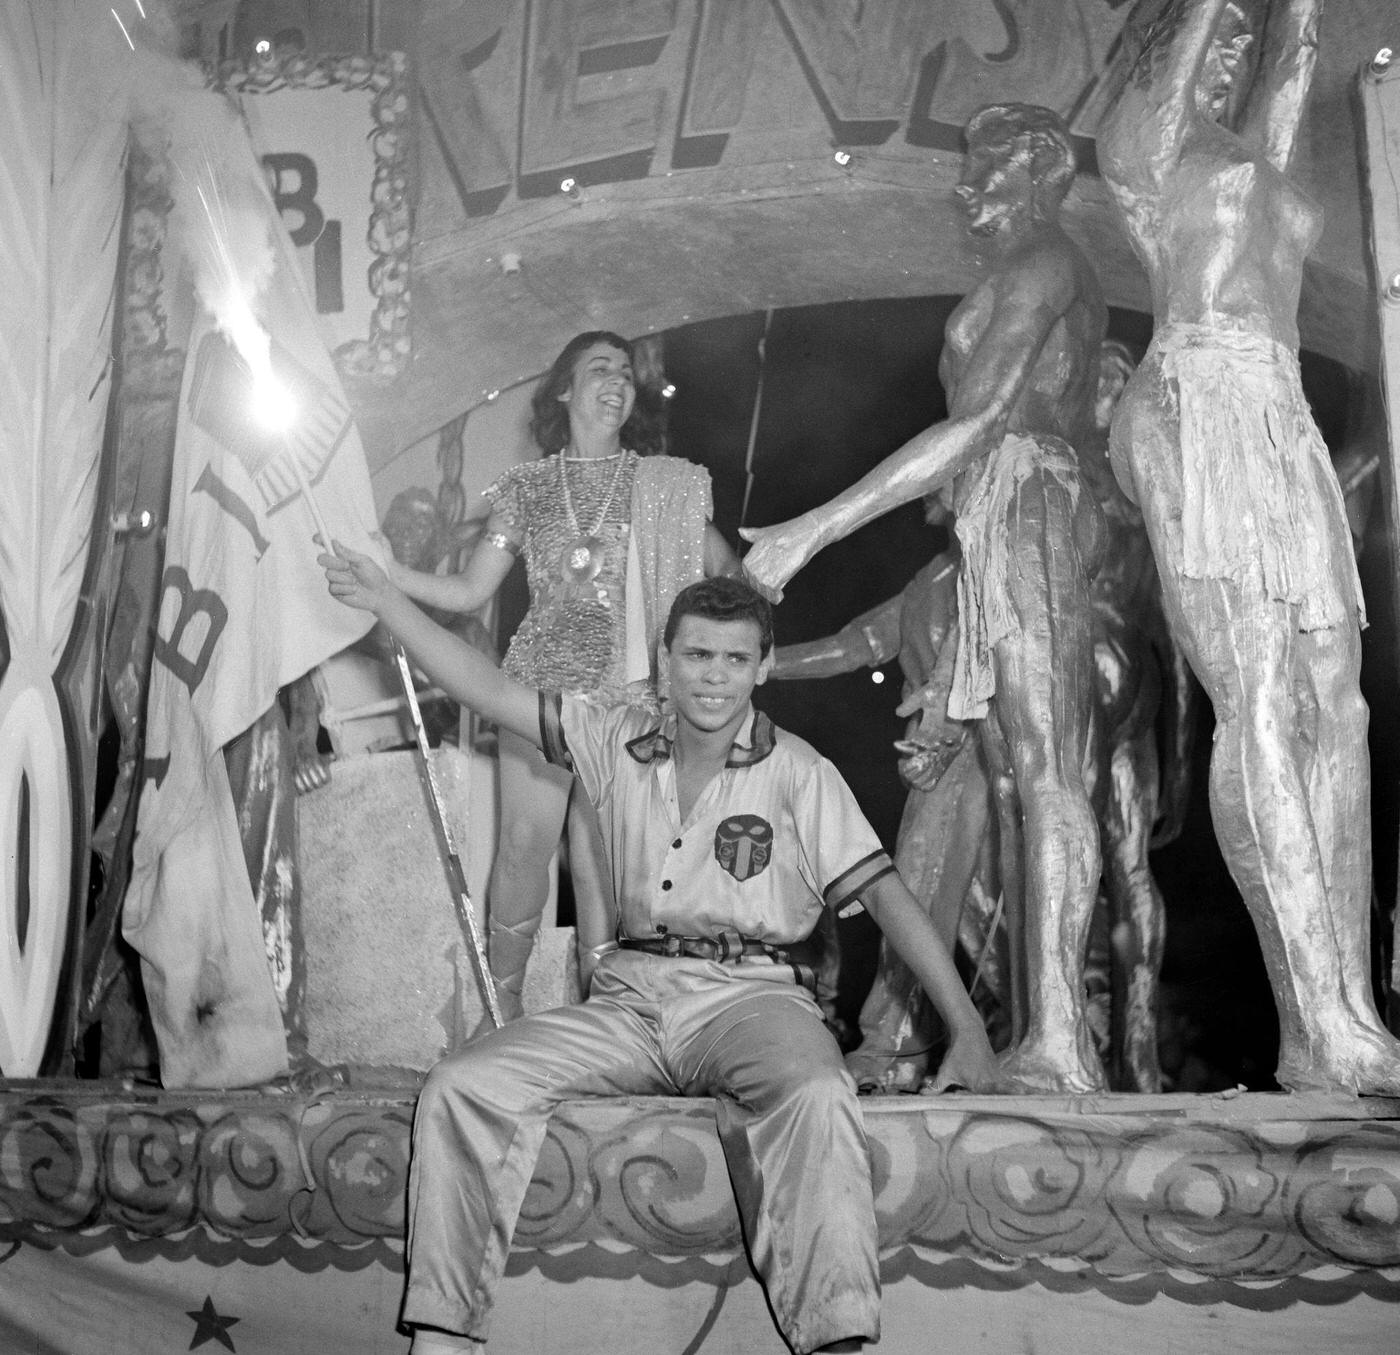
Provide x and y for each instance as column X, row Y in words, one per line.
column 463, row 672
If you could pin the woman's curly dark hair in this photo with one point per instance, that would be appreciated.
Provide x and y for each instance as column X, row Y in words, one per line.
column 645, row 430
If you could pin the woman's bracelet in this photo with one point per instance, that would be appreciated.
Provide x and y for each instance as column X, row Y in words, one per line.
column 502, row 542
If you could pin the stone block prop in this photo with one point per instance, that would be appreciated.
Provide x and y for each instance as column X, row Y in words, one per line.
column 390, row 980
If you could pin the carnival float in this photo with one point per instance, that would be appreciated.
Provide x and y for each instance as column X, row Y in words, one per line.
column 287, row 272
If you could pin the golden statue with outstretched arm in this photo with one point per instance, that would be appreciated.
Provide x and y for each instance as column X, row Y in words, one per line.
column 1020, row 365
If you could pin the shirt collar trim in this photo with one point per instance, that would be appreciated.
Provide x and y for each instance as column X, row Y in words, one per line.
column 753, row 742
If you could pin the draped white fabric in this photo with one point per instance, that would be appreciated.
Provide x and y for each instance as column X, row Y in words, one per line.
column 63, row 105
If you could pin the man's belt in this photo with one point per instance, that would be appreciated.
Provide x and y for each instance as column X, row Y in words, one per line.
column 728, row 945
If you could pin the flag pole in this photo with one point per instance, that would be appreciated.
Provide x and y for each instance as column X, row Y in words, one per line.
column 461, row 895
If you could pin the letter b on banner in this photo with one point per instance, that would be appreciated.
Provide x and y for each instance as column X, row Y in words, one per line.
column 198, row 620
column 294, row 181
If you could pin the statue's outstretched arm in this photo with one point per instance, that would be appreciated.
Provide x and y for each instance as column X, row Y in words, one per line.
column 926, row 462
column 1274, row 113
column 1143, row 133
column 866, row 642
column 1027, row 301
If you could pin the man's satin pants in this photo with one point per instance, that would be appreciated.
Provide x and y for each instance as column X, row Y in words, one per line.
column 786, row 1110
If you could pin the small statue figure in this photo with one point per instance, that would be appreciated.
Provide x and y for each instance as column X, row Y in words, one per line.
column 1020, row 366
column 1214, row 440
column 1139, row 792
column 415, row 531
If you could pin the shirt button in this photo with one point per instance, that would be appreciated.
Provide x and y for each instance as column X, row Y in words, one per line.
column 676, row 843
column 665, row 884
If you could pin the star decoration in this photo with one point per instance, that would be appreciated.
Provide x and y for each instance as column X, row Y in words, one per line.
column 209, row 1326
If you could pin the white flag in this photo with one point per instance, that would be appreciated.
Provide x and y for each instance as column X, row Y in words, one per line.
column 244, row 610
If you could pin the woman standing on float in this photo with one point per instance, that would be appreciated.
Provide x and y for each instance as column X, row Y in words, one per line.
column 610, row 533
column 1214, row 440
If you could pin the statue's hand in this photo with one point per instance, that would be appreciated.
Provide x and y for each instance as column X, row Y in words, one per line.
column 778, row 552
column 924, row 761
column 933, row 741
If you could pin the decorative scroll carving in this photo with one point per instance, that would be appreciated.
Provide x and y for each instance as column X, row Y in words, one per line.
column 1250, row 1194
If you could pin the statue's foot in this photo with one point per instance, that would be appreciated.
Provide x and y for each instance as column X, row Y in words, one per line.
column 311, row 1077
column 885, row 1074
column 1355, row 1058
column 1032, row 1068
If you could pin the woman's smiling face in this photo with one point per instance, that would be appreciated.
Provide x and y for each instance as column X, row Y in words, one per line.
column 602, row 391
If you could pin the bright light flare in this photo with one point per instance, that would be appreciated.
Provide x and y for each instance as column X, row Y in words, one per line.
column 228, row 235
column 235, row 317
column 274, row 407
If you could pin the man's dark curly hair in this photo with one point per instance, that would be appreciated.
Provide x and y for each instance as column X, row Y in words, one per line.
column 644, row 431
column 722, row 598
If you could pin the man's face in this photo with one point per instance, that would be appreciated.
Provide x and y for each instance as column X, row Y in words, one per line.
column 714, row 667
column 996, row 189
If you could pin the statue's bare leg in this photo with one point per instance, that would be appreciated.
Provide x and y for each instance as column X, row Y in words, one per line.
column 1124, row 795
column 533, row 799
column 1137, row 913
column 1246, row 653
column 1045, row 693
column 1337, row 767
column 1011, row 870
column 1282, row 814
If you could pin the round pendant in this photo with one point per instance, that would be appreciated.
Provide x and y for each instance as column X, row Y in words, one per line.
column 582, row 560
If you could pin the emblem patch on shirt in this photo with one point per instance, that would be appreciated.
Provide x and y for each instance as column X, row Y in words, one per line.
column 744, row 845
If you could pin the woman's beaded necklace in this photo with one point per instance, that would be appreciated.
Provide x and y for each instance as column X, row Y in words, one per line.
column 582, row 559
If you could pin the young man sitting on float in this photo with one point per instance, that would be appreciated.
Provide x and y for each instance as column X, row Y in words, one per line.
column 726, row 837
